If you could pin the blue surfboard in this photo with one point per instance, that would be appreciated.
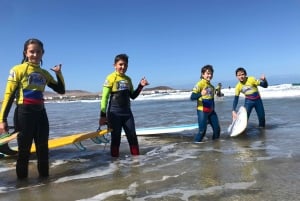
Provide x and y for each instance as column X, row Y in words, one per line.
column 165, row 129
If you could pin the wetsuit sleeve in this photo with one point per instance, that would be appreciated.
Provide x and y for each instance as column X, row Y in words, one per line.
column 104, row 100
column 58, row 86
column 195, row 96
column 264, row 83
column 136, row 92
column 196, row 92
column 235, row 102
column 8, row 100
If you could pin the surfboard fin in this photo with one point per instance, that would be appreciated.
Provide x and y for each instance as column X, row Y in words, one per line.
column 100, row 139
column 79, row 146
column 230, row 128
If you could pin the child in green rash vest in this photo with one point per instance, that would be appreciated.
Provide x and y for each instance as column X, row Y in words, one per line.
column 248, row 86
column 115, row 106
column 203, row 92
column 26, row 83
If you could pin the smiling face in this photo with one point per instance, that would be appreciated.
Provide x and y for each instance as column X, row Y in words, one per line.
column 34, row 53
column 121, row 66
column 207, row 75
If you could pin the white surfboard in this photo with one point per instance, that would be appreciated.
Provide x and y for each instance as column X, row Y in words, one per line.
column 239, row 124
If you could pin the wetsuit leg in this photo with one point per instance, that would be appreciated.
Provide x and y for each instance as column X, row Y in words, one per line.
column 249, row 104
column 259, row 108
column 15, row 119
column 214, row 122
column 41, row 141
column 115, row 122
column 129, row 128
column 25, row 122
column 202, row 124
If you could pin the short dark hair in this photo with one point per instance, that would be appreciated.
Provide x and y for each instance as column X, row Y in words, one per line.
column 240, row 69
column 207, row 67
column 122, row 57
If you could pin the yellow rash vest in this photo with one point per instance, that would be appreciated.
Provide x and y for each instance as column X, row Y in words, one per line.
column 205, row 103
column 26, row 83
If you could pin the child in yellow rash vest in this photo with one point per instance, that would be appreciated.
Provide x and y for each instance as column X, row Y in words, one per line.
column 118, row 90
column 26, row 83
column 203, row 92
column 248, row 86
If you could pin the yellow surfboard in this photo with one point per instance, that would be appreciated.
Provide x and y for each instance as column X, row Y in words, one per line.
column 75, row 139
column 5, row 150
column 9, row 138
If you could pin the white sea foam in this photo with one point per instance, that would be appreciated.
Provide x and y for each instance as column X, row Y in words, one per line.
column 2, row 169
column 275, row 91
column 131, row 191
column 159, row 150
column 58, row 162
column 61, row 162
column 91, row 174
column 182, row 194
column 164, row 178
column 266, row 158
column 185, row 194
column 3, row 189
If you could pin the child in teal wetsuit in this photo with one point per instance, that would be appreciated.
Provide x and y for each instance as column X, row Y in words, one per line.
column 204, row 93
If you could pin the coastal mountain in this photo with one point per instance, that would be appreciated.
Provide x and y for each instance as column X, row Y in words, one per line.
column 78, row 93
column 158, row 88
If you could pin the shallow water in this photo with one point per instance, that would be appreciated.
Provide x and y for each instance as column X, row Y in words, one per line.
column 261, row 164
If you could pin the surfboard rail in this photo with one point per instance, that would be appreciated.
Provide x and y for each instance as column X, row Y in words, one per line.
column 76, row 139
column 8, row 137
column 238, row 125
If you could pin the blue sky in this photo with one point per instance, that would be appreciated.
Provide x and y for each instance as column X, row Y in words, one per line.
column 168, row 41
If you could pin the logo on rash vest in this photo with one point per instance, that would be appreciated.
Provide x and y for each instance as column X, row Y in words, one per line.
column 106, row 83
column 11, row 75
column 36, row 79
column 246, row 89
column 122, row 85
column 209, row 91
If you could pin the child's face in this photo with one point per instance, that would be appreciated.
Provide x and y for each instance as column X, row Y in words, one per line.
column 34, row 53
column 207, row 75
column 241, row 76
column 121, row 67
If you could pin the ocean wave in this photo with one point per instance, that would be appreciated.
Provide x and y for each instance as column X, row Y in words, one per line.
column 274, row 91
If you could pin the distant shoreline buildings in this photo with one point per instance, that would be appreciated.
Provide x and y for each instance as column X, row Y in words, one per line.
column 72, row 95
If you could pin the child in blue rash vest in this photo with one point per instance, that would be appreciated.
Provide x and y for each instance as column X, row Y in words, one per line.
column 115, row 106
column 248, row 86
column 203, row 92
column 26, row 83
